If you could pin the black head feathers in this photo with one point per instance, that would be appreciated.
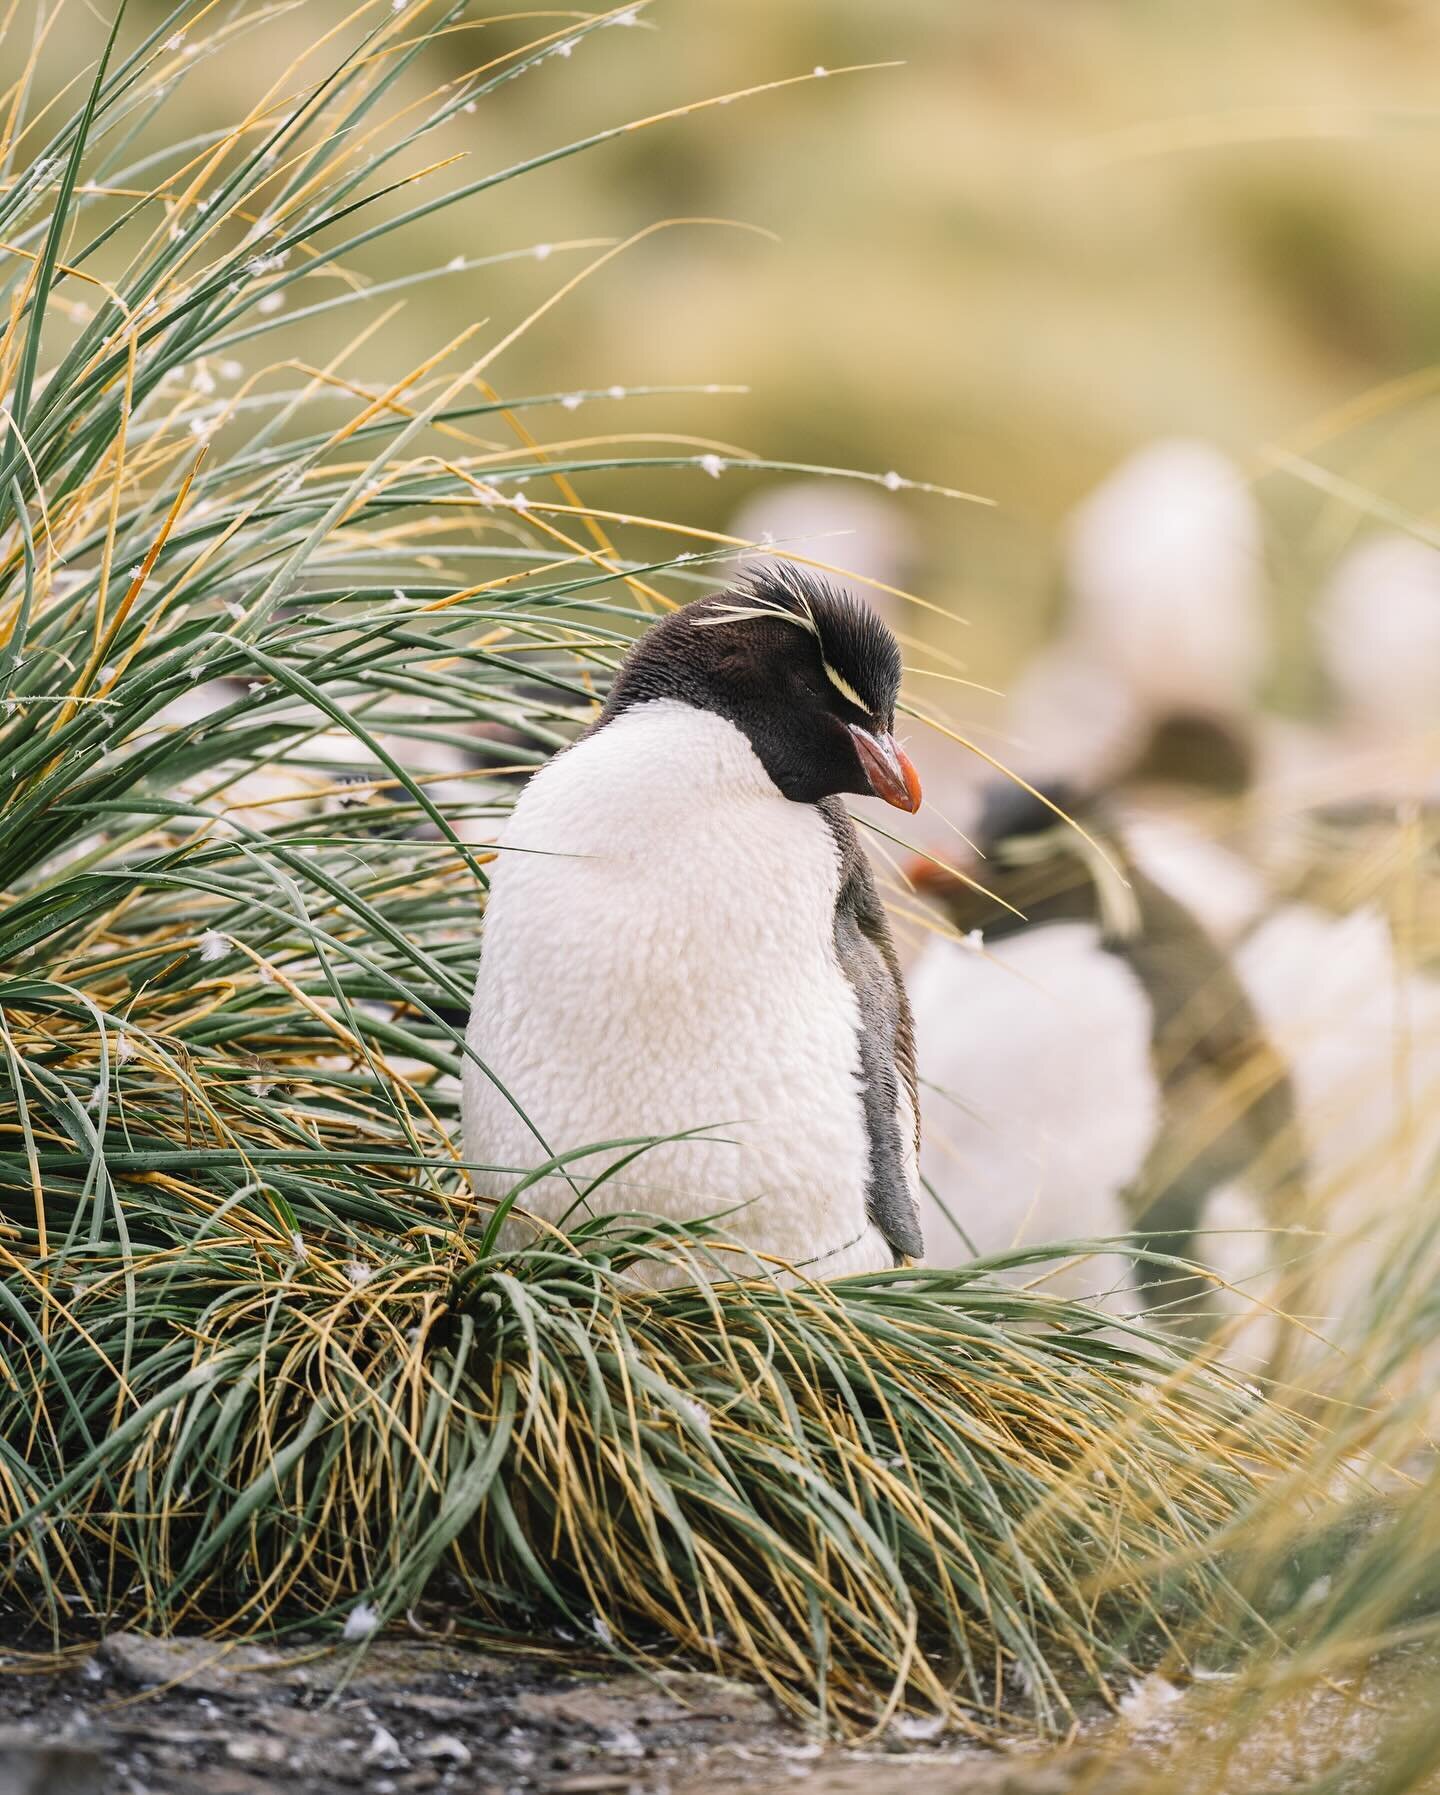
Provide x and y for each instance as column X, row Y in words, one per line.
column 858, row 649
column 1034, row 864
column 1211, row 753
column 809, row 674
column 1009, row 811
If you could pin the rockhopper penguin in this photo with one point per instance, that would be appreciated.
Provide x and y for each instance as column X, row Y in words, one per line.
column 1126, row 1084
column 683, row 934
column 1147, row 690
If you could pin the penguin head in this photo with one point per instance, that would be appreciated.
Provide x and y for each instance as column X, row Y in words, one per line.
column 808, row 673
column 1165, row 568
column 1379, row 636
column 1040, row 857
column 1207, row 753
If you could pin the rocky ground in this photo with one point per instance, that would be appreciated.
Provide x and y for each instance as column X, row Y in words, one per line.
column 190, row 1717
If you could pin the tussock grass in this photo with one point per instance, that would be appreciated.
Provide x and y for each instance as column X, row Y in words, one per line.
column 263, row 673
column 927, row 1488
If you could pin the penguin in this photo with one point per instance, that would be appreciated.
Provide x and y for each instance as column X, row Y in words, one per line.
column 1378, row 630
column 683, row 946
column 872, row 549
column 1183, row 803
column 1344, row 967
column 1360, row 822
column 1147, row 692
column 855, row 527
column 1165, row 565
column 1360, row 1029
column 1092, row 1067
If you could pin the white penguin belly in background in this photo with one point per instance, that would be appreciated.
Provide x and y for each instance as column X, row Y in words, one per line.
column 1039, row 1097
column 1362, row 1035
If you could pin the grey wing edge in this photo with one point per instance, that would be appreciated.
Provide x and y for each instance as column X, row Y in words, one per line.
column 867, row 955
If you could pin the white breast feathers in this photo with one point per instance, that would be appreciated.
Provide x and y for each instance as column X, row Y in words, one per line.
column 659, row 957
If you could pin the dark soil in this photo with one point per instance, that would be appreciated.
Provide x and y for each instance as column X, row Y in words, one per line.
column 200, row 1718
column 194, row 1717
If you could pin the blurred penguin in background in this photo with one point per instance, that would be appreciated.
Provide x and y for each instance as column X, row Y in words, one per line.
column 1360, row 1032
column 1346, row 972
column 843, row 523
column 1378, row 628
column 1090, row 1066
column 1055, row 1065
column 1355, row 819
column 1165, row 565
column 1148, row 691
column 1098, row 1065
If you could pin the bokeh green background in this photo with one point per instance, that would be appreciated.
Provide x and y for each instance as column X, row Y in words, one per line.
column 1059, row 229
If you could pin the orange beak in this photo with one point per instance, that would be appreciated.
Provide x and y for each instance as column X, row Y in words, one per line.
column 888, row 768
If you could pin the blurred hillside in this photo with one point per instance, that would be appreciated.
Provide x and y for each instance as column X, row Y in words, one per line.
column 1062, row 227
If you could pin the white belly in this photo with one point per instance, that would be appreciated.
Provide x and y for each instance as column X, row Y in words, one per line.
column 1362, row 1036
column 659, row 959
column 1039, row 1099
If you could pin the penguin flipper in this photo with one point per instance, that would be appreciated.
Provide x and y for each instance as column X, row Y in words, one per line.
column 866, row 951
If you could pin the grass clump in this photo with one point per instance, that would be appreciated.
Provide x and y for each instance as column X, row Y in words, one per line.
column 925, row 1488
column 265, row 672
